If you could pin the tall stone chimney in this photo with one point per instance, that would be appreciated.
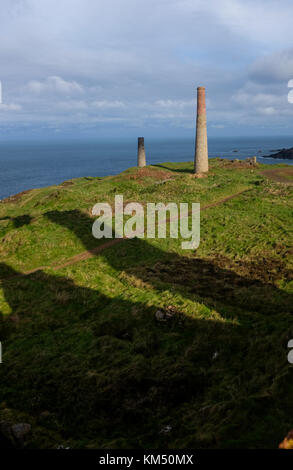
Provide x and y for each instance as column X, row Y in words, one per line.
column 201, row 164
column 141, row 153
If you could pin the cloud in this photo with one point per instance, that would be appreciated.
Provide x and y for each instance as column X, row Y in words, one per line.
column 264, row 100
column 54, row 84
column 104, row 104
column 139, row 63
column 10, row 107
column 273, row 68
column 72, row 105
column 263, row 22
column 177, row 104
column 251, row 97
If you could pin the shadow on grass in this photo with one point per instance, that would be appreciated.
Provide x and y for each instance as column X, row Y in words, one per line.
column 213, row 280
column 110, row 373
column 19, row 221
column 177, row 170
column 106, row 369
column 78, row 223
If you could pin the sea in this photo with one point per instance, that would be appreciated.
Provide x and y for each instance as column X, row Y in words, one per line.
column 26, row 165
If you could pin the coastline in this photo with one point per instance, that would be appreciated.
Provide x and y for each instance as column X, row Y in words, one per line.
column 30, row 165
column 17, row 196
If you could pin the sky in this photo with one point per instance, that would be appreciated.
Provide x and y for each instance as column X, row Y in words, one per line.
column 123, row 68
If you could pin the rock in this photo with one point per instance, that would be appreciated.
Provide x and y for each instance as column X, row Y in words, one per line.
column 166, row 429
column 170, row 314
column 20, row 432
column 160, row 316
column 13, row 435
column 283, row 153
column 251, row 160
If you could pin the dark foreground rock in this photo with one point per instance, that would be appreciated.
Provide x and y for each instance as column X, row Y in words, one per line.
column 13, row 435
column 283, row 153
column 20, row 432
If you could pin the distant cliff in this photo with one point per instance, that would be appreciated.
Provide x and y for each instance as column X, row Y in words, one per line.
column 283, row 153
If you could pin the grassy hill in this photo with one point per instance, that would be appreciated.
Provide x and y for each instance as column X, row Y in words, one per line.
column 89, row 363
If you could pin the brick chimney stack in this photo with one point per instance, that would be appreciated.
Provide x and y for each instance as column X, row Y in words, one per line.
column 201, row 164
column 141, row 153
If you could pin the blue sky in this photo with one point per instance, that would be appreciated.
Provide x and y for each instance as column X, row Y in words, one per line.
column 113, row 68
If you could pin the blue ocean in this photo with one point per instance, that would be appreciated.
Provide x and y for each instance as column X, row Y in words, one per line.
column 27, row 165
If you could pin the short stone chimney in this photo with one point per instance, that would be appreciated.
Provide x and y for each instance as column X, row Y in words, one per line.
column 141, row 161
column 201, row 164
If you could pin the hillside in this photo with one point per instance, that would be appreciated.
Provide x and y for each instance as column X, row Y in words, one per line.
column 87, row 360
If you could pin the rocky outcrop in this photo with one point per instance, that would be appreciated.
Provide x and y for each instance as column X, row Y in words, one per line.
column 20, row 433
column 251, row 160
column 283, row 153
column 13, row 435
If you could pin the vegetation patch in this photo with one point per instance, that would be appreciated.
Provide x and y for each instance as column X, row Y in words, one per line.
column 281, row 175
column 113, row 349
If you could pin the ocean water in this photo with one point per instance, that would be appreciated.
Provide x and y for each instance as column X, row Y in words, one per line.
column 27, row 165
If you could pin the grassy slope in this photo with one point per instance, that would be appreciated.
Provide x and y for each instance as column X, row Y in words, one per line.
column 84, row 359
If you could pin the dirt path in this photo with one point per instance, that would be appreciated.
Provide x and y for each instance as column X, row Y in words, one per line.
column 280, row 175
column 91, row 253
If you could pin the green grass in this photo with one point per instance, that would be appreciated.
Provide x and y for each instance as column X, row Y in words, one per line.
column 86, row 361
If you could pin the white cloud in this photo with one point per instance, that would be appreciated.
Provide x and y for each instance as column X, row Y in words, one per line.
column 104, row 104
column 178, row 104
column 10, row 107
column 54, row 84
column 254, row 98
column 263, row 100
